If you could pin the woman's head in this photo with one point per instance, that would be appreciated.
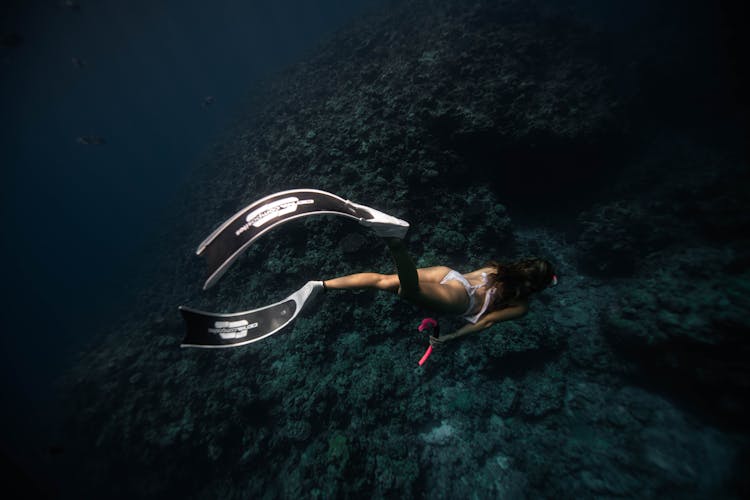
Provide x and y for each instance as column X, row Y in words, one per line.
column 524, row 277
column 539, row 273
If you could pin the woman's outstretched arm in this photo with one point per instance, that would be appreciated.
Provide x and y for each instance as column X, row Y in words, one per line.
column 464, row 330
column 489, row 319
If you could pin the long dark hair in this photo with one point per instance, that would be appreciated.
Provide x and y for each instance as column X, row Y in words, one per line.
column 519, row 279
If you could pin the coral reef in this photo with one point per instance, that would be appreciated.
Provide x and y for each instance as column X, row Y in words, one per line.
column 448, row 115
column 684, row 317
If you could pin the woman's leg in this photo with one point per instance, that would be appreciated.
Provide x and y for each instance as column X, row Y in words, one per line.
column 434, row 296
column 387, row 282
column 407, row 272
column 450, row 298
column 405, row 282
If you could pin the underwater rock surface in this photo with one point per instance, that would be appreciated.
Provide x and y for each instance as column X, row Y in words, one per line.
column 448, row 115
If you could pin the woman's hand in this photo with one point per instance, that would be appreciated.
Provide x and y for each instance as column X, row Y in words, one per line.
column 437, row 342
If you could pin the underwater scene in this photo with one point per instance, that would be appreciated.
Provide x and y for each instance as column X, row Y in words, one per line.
column 429, row 249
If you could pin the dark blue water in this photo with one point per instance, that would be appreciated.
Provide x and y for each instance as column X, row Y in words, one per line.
column 78, row 218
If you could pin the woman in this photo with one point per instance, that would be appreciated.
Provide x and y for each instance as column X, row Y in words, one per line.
column 483, row 297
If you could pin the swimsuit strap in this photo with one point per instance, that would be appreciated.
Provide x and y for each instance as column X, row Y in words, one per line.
column 484, row 283
column 487, row 299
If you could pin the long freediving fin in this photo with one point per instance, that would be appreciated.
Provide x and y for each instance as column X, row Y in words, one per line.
column 215, row 330
column 230, row 239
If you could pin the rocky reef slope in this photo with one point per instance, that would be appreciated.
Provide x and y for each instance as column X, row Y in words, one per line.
column 461, row 119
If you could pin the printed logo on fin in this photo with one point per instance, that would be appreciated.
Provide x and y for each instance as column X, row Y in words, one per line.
column 229, row 330
column 271, row 211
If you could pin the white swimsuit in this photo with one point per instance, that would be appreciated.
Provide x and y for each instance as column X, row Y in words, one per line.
column 470, row 291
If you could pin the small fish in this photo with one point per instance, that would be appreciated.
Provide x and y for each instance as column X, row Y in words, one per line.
column 90, row 139
column 207, row 101
column 78, row 62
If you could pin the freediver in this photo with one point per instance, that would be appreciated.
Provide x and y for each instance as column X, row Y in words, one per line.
column 493, row 293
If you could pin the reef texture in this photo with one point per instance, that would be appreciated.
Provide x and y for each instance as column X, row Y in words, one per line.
column 446, row 114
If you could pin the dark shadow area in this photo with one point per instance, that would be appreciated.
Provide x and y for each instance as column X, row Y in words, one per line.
column 518, row 364
column 23, row 484
column 541, row 172
column 713, row 401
